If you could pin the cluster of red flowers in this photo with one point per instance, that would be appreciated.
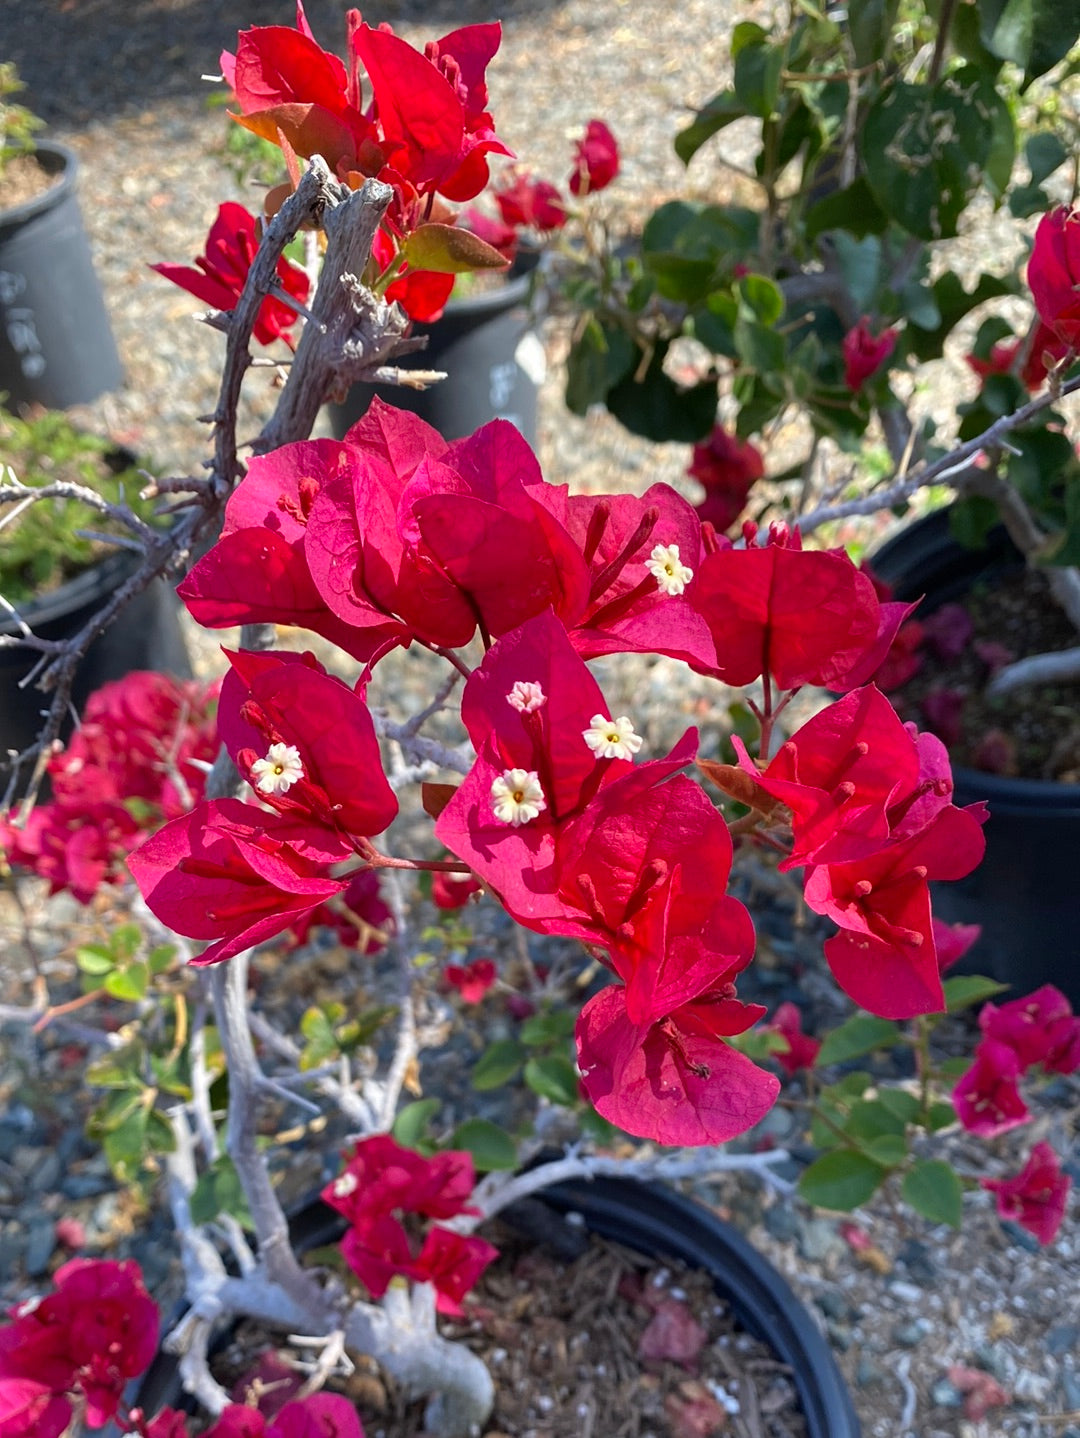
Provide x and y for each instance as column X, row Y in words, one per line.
column 135, row 760
column 864, row 353
column 395, row 536
column 526, row 202
column 726, row 467
column 380, row 1180
column 72, row 1354
column 416, row 120
column 76, row 1348
column 1037, row 1030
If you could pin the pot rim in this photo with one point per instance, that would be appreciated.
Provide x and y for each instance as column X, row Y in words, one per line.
column 661, row 1222
column 66, row 169
column 928, row 536
column 503, row 297
column 84, row 588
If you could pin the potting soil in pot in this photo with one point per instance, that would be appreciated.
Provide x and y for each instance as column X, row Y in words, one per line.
column 1031, row 733
column 609, row 1345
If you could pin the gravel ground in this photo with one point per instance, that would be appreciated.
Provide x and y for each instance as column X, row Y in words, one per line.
column 118, row 80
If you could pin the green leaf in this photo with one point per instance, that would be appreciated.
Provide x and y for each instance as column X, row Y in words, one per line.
column 1002, row 156
column 553, row 1077
column 964, row 989
column 933, row 1189
column 161, row 958
column 940, row 1115
column 125, row 1145
column 709, row 120
column 1044, row 153
column 219, row 1191
column 925, row 148
column 655, row 407
column 841, row 1180
column 498, row 1064
column 870, row 1119
column 410, row 1126
column 763, row 298
column 448, row 250
column 860, row 265
column 322, row 1043
column 870, row 24
column 901, row 1103
column 855, row 1037
column 547, row 1028
column 128, row 984
column 491, row 1147
column 125, row 941
column 758, row 68
column 600, row 357
column 971, row 519
column 954, row 302
column 94, row 959
column 889, row 1149
column 853, row 209
column 120, row 1068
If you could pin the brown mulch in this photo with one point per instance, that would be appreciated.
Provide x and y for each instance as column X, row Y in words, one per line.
column 565, row 1344
column 1032, row 733
column 24, row 179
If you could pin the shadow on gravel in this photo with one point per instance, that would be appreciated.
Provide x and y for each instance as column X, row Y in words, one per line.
column 87, row 59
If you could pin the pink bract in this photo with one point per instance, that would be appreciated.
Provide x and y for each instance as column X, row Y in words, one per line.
column 1037, row 1196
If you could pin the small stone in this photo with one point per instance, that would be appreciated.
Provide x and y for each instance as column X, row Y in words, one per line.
column 910, row 1335
column 915, row 1257
column 906, row 1292
column 868, row 1374
column 1062, row 1338
column 833, row 1303
column 44, row 1177
column 782, row 1222
column 1070, row 1389
column 84, row 1185
column 840, row 1335
column 994, row 1359
column 945, row 1394
column 40, row 1244
column 819, row 1240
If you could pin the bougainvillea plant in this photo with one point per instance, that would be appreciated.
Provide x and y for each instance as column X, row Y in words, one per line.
column 534, row 791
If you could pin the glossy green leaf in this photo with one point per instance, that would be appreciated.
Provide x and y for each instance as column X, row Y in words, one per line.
column 925, row 149
column 841, row 1180
column 95, row 959
column 655, row 407
column 448, row 250
column 713, row 117
column 491, row 1147
column 856, row 1036
column 549, row 1027
column 599, row 358
column 964, row 989
column 411, row 1124
column 853, row 209
column 219, row 1191
column 553, row 1077
column 870, row 25
column 889, row 1149
column 128, row 984
column 933, row 1189
column 498, row 1064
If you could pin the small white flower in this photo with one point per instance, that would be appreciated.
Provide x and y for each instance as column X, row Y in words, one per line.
column 279, row 771
column 516, row 796
column 612, row 738
column 346, row 1184
column 670, row 573
column 526, row 696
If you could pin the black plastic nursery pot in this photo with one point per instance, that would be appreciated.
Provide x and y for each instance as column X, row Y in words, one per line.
column 655, row 1221
column 494, row 364
column 146, row 635
column 1024, row 893
column 56, row 347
